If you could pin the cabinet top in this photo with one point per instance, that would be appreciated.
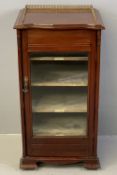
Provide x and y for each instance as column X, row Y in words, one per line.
column 59, row 17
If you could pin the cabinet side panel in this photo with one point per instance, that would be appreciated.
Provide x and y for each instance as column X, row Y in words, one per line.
column 91, row 93
column 20, row 65
column 97, row 79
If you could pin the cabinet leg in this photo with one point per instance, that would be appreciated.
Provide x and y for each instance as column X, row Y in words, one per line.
column 28, row 164
column 92, row 164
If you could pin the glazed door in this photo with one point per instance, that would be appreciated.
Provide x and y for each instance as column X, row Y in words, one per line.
column 59, row 102
column 59, row 91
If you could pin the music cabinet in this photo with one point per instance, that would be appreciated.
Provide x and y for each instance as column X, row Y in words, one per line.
column 59, row 60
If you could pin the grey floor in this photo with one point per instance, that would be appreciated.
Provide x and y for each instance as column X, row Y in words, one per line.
column 10, row 153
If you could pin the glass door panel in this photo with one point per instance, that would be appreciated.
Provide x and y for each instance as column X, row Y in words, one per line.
column 59, row 99
column 59, row 74
column 59, row 90
column 59, row 124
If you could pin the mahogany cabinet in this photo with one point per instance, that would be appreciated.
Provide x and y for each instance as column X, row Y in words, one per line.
column 59, row 60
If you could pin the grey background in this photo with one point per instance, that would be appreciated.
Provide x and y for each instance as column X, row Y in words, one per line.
column 9, row 94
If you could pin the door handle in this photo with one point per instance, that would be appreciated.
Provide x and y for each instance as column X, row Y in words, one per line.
column 25, row 87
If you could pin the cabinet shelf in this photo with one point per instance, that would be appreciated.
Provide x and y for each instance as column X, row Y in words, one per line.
column 82, row 58
column 59, row 75
column 60, row 100
column 60, row 125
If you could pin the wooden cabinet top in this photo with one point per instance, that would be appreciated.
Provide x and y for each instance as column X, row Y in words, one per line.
column 59, row 17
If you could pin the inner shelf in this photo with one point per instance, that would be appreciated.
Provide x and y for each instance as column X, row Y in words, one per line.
column 59, row 100
column 52, row 74
column 60, row 124
column 81, row 58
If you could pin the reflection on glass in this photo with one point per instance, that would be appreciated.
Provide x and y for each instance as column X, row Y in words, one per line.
column 59, row 74
column 60, row 124
column 59, row 87
column 59, row 99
